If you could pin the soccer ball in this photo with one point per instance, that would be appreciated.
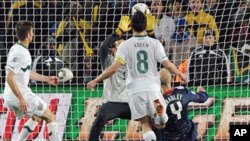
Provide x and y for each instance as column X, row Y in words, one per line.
column 140, row 7
column 65, row 74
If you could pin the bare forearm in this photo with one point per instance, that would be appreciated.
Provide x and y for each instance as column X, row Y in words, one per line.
column 106, row 74
column 38, row 77
column 171, row 67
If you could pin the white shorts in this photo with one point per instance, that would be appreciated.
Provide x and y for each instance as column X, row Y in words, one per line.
column 142, row 104
column 36, row 106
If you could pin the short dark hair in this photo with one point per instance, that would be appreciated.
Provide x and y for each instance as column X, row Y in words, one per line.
column 22, row 29
column 209, row 32
column 138, row 21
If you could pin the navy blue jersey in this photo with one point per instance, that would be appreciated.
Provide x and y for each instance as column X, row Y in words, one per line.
column 177, row 100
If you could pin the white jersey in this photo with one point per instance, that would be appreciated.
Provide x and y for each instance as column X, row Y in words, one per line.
column 141, row 54
column 18, row 61
column 115, row 86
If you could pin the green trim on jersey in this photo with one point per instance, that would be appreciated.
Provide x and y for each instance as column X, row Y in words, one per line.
column 22, row 45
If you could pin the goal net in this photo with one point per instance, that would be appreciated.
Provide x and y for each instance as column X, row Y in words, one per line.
column 209, row 41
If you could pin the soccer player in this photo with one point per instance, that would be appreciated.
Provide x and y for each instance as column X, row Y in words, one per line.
column 115, row 94
column 140, row 54
column 17, row 95
column 178, row 127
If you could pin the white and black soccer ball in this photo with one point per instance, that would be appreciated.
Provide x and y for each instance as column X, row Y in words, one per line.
column 65, row 74
column 141, row 7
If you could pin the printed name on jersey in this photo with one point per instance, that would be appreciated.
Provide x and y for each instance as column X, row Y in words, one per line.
column 172, row 98
column 143, row 44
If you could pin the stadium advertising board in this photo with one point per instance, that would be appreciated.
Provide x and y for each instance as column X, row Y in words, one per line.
column 11, row 125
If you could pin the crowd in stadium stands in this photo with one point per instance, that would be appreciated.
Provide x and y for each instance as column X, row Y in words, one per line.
column 79, row 27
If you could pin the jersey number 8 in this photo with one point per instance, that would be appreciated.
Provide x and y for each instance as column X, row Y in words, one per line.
column 142, row 64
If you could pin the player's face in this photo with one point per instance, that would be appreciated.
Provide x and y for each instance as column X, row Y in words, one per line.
column 177, row 7
column 156, row 8
column 30, row 35
column 209, row 40
column 195, row 5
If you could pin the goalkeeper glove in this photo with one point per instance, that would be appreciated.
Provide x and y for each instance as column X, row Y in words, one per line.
column 124, row 26
column 65, row 74
column 150, row 24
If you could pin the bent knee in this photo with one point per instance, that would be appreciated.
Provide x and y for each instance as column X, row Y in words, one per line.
column 48, row 116
column 36, row 118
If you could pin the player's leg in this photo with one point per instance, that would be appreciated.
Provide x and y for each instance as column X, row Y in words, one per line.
column 139, row 106
column 148, row 133
column 28, row 127
column 158, row 108
column 38, row 108
column 50, row 118
column 108, row 111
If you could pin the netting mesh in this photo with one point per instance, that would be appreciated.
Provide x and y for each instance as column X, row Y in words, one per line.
column 207, row 40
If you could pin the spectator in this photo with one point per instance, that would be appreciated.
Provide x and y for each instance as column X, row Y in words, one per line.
column 47, row 63
column 239, row 23
column 4, row 8
column 199, row 21
column 25, row 10
column 208, row 64
column 181, row 43
column 177, row 9
column 222, row 11
column 164, row 26
column 73, row 46
column 52, row 14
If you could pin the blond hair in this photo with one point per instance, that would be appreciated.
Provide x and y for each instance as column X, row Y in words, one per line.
column 165, row 77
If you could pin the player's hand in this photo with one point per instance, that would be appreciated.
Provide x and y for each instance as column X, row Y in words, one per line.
column 53, row 80
column 23, row 105
column 200, row 89
column 123, row 26
column 150, row 23
column 91, row 85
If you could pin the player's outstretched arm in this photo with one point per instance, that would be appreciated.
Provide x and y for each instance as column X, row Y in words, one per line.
column 52, row 80
column 202, row 94
column 106, row 74
column 150, row 25
column 123, row 26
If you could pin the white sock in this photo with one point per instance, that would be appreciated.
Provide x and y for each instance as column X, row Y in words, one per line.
column 160, row 120
column 53, row 131
column 28, row 127
column 149, row 136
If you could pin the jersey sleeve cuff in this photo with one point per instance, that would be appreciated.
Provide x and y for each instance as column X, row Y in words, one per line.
column 10, row 68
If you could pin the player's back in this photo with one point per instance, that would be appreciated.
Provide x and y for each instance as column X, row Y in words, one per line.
column 141, row 55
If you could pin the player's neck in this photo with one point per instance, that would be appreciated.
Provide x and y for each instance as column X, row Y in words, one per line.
column 165, row 88
column 136, row 34
column 24, row 43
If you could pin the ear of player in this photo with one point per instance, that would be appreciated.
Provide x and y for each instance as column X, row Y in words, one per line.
column 65, row 75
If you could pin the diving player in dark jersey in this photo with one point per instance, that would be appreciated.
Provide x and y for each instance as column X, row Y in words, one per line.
column 178, row 127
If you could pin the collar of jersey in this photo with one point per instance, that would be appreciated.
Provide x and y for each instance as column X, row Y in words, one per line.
column 140, row 35
column 22, row 45
column 167, row 92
